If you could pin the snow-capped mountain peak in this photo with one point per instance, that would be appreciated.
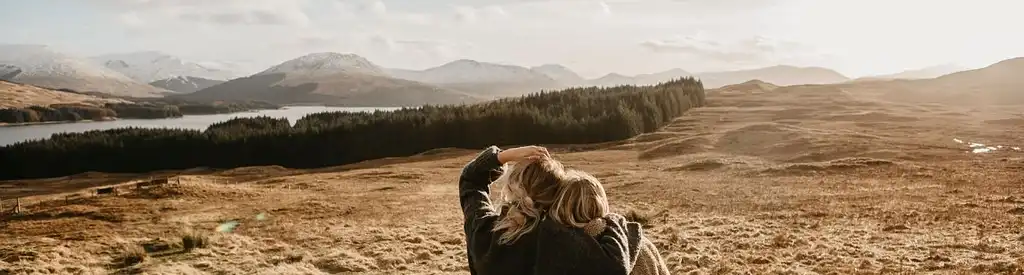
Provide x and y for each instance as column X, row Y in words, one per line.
column 43, row 66
column 185, row 84
column 40, row 60
column 326, row 63
column 150, row 66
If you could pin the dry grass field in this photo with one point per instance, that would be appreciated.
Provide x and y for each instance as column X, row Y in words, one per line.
column 22, row 96
column 795, row 180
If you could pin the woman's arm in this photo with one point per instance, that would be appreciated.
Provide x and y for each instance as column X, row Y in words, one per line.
column 473, row 189
column 474, row 181
column 478, row 174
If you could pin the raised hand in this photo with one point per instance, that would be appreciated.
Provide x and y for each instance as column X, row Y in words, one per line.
column 523, row 153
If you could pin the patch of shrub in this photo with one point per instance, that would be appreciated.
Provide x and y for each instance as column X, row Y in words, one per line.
column 571, row 116
column 131, row 255
column 193, row 240
column 644, row 219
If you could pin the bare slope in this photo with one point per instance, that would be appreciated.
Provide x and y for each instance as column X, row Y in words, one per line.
column 483, row 78
column 42, row 66
column 16, row 95
column 332, row 79
column 779, row 75
column 997, row 84
column 185, row 84
column 753, row 86
column 923, row 73
column 563, row 75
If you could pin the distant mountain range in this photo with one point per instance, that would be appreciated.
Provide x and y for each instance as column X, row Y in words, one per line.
column 351, row 80
column 42, row 66
column 923, row 73
column 333, row 79
column 151, row 66
column 481, row 78
column 996, row 84
column 778, row 75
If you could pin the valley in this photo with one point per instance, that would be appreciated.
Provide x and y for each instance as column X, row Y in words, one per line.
column 764, row 180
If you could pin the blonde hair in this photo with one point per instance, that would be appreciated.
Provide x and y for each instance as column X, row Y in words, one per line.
column 580, row 200
column 527, row 190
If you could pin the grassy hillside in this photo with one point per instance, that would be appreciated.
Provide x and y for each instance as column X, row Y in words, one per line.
column 998, row 84
column 16, row 95
column 580, row 115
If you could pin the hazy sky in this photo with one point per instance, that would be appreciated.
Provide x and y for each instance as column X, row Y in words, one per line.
column 592, row 37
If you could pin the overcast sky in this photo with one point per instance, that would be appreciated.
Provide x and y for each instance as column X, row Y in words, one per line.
column 592, row 37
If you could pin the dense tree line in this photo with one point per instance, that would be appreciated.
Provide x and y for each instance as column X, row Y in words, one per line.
column 144, row 110
column 207, row 108
column 55, row 112
column 155, row 109
column 577, row 115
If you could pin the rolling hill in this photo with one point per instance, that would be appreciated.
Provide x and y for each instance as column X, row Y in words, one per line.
column 482, row 78
column 923, row 73
column 561, row 74
column 42, row 66
column 612, row 80
column 779, row 75
column 331, row 79
column 996, row 84
column 152, row 66
column 17, row 95
column 753, row 86
column 185, row 84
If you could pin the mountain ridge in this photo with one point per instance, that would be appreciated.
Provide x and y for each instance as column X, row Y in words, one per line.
column 921, row 73
column 149, row 66
column 43, row 66
column 332, row 79
column 185, row 84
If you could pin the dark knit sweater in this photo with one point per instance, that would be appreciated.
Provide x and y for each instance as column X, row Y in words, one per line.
column 549, row 249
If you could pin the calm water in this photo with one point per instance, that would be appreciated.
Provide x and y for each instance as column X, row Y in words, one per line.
column 9, row 135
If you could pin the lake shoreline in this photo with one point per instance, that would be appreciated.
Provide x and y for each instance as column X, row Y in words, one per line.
column 5, row 124
column 11, row 125
column 12, row 133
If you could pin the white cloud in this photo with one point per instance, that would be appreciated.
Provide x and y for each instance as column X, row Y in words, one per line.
column 758, row 50
column 373, row 7
column 642, row 35
column 224, row 12
column 465, row 14
column 605, row 9
column 495, row 11
column 132, row 20
column 472, row 15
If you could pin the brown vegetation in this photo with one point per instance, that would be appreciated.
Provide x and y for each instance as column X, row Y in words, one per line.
column 16, row 95
column 772, row 184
